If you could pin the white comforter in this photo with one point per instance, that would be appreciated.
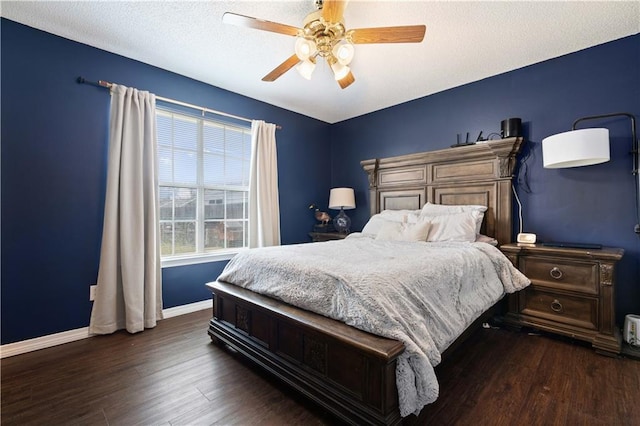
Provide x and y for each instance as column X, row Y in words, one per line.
column 422, row 294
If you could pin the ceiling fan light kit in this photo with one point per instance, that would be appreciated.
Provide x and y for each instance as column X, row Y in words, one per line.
column 337, row 53
column 324, row 34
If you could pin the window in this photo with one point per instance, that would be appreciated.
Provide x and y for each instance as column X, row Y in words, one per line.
column 203, row 185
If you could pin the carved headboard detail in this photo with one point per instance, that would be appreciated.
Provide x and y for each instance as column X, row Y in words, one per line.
column 473, row 174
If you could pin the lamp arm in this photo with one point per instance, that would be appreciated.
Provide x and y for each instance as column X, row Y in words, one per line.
column 634, row 141
column 634, row 153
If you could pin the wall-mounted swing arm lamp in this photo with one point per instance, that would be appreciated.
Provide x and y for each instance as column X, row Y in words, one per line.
column 585, row 147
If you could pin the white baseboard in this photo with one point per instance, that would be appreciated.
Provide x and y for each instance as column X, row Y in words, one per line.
column 43, row 342
column 50, row 340
column 187, row 309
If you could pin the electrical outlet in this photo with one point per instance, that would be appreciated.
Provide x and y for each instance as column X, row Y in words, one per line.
column 92, row 293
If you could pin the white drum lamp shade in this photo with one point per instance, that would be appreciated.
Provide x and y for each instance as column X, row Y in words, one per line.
column 342, row 198
column 576, row 148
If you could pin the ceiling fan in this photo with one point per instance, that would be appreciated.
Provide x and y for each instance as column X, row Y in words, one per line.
column 324, row 35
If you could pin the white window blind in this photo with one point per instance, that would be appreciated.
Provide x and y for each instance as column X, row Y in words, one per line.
column 203, row 184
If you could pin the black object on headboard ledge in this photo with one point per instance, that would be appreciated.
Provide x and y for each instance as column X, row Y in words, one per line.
column 462, row 144
column 472, row 174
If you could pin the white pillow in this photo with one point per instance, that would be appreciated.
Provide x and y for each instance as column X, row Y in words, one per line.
column 389, row 231
column 451, row 227
column 395, row 231
column 378, row 220
column 440, row 209
column 374, row 224
column 430, row 209
column 397, row 215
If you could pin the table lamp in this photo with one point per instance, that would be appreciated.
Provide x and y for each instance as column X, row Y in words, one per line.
column 342, row 198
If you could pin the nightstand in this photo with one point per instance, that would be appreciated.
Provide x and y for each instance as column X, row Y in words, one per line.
column 572, row 293
column 326, row 236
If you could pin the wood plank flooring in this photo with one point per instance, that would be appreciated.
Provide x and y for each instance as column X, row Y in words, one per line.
column 173, row 375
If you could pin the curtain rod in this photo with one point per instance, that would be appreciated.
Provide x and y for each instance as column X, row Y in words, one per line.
column 107, row 85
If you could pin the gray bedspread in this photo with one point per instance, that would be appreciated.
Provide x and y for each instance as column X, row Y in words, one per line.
column 422, row 294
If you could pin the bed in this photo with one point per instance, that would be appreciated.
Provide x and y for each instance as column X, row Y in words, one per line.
column 348, row 371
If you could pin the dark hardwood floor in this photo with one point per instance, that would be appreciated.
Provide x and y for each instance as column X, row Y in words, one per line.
column 173, row 375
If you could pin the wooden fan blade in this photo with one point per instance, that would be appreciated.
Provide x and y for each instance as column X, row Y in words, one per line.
column 404, row 34
column 333, row 10
column 282, row 68
column 345, row 81
column 259, row 24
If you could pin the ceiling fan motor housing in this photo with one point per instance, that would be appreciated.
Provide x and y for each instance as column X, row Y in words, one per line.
column 324, row 34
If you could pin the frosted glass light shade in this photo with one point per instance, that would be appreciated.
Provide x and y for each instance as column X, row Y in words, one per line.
column 342, row 198
column 343, row 52
column 340, row 71
column 306, row 69
column 304, row 48
column 576, row 148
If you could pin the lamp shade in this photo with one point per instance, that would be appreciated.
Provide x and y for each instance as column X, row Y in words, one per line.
column 306, row 68
column 344, row 53
column 340, row 71
column 342, row 198
column 304, row 48
column 576, row 148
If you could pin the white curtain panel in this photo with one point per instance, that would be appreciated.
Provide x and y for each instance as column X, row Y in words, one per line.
column 129, row 291
column 264, row 205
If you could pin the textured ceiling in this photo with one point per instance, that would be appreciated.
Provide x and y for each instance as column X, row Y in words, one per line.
column 464, row 42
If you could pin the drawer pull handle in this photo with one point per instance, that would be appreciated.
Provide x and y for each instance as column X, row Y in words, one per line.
column 556, row 306
column 555, row 273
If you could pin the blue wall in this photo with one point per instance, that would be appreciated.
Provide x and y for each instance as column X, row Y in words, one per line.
column 54, row 149
column 589, row 204
column 54, row 152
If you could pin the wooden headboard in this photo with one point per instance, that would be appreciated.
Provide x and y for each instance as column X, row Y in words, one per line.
column 473, row 174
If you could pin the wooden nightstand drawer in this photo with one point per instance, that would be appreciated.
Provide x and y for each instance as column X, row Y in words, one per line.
column 573, row 310
column 561, row 273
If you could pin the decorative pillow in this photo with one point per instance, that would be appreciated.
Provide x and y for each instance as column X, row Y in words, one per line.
column 450, row 227
column 430, row 209
column 395, row 231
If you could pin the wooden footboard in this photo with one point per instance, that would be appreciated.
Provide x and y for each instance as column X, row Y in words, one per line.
column 349, row 372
